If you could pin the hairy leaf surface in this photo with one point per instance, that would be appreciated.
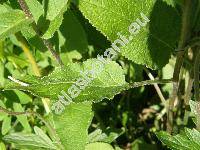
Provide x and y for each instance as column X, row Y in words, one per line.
column 189, row 140
column 72, row 125
column 12, row 22
column 54, row 13
column 153, row 43
column 105, row 84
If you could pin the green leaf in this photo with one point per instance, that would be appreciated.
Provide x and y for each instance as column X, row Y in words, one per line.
column 108, row 136
column 73, row 34
column 3, row 9
column 6, row 125
column 151, row 40
column 55, row 11
column 98, row 146
column 189, row 140
column 22, row 118
column 36, row 9
column 194, row 136
column 53, row 27
column 23, row 97
column 31, row 141
column 43, row 136
column 12, row 22
column 33, row 39
column 73, row 124
column 102, row 80
column 194, row 106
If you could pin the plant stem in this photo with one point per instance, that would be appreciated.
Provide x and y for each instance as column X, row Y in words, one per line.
column 150, row 82
column 185, row 31
column 156, row 86
column 46, row 42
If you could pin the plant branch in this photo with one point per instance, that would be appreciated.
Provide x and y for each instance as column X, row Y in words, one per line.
column 150, row 82
column 185, row 31
column 156, row 86
column 46, row 42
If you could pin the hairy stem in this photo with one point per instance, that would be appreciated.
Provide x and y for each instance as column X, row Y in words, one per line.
column 46, row 42
column 150, row 82
column 156, row 86
column 185, row 31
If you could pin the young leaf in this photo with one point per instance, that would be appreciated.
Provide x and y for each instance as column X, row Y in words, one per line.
column 107, row 82
column 152, row 42
column 72, row 125
column 12, row 22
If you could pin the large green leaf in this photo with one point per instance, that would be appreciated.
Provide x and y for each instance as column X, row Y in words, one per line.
column 151, row 44
column 91, row 87
column 12, row 22
column 189, row 140
column 72, row 125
